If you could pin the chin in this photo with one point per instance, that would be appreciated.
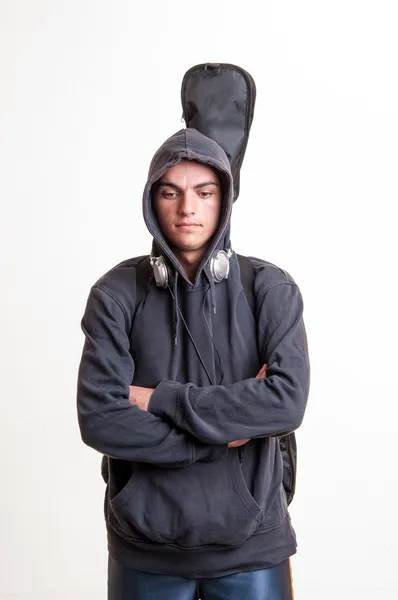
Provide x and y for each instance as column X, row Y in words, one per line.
column 188, row 244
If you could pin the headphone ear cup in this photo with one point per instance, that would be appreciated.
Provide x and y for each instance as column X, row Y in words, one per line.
column 219, row 266
column 160, row 271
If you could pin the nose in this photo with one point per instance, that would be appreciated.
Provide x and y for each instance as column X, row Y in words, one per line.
column 187, row 204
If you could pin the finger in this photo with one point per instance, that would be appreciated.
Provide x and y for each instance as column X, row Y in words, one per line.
column 237, row 443
column 262, row 372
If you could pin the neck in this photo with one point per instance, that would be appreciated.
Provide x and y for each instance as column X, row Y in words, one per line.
column 190, row 261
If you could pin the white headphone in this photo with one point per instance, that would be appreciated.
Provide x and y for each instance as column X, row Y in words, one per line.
column 219, row 267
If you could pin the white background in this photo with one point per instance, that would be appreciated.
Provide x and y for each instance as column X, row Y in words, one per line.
column 89, row 90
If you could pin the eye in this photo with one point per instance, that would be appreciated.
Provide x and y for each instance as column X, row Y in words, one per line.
column 169, row 195
column 205, row 195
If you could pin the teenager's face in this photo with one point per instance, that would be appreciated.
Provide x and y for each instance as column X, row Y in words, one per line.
column 187, row 204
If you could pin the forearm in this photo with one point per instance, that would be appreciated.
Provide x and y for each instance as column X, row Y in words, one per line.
column 247, row 409
column 128, row 433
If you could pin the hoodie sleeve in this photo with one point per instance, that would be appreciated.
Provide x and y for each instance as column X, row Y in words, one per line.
column 254, row 407
column 108, row 422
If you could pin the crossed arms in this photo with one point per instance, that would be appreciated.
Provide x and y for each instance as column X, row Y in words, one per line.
column 177, row 424
column 141, row 396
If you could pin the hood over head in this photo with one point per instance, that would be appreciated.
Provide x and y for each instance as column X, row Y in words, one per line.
column 189, row 144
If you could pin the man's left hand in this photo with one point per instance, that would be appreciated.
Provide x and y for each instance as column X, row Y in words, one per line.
column 140, row 396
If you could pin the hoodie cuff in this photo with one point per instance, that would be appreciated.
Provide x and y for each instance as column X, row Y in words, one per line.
column 165, row 399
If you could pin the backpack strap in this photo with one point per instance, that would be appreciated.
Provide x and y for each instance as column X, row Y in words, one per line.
column 287, row 443
column 247, row 279
column 142, row 277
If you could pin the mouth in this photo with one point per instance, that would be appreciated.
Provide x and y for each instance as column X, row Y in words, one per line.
column 187, row 225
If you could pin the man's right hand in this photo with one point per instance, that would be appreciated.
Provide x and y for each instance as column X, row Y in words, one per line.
column 262, row 374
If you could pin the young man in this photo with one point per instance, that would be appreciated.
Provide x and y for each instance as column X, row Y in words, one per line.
column 173, row 392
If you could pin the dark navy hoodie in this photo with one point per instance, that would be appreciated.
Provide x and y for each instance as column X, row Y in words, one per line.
column 178, row 500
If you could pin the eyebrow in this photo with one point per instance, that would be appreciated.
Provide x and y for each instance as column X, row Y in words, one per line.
column 197, row 186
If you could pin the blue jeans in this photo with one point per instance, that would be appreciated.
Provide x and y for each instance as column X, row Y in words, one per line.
column 267, row 584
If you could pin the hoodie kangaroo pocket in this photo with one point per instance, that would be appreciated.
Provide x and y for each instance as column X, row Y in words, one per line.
column 205, row 503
